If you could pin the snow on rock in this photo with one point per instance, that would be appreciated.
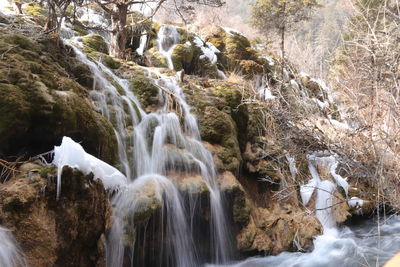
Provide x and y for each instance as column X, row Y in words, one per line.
column 270, row 60
column 339, row 125
column 292, row 165
column 355, row 202
column 208, row 49
column 6, row 8
column 71, row 154
column 231, row 31
column 321, row 159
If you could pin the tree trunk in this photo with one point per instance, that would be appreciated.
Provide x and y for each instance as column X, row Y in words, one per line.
column 283, row 29
column 118, row 33
column 18, row 8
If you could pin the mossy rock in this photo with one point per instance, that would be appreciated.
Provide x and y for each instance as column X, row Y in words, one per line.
column 238, row 47
column 214, row 125
column 155, row 58
column 34, row 10
column 110, row 62
column 206, row 69
column 182, row 56
column 19, row 40
column 250, row 68
column 237, row 53
column 96, row 42
column 83, row 74
column 218, row 40
column 80, row 29
column 41, row 102
column 145, row 90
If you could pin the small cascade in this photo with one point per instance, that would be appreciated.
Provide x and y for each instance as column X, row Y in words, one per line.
column 142, row 43
column 325, row 189
column 152, row 149
column 118, row 104
column 168, row 37
column 9, row 251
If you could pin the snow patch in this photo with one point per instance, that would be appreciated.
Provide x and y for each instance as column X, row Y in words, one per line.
column 231, row 31
column 208, row 49
column 71, row 154
column 355, row 202
column 6, row 8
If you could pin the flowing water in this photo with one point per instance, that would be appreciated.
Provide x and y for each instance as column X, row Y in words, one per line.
column 356, row 246
column 9, row 251
column 151, row 147
column 168, row 37
column 367, row 244
column 154, row 147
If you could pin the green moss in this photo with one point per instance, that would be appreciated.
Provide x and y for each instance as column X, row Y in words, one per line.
column 48, row 172
column 182, row 55
column 111, row 62
column 96, row 42
column 41, row 101
column 19, row 40
column 237, row 47
column 250, row 68
column 241, row 209
column 14, row 112
column 156, row 58
column 83, row 74
column 34, row 10
column 80, row 29
column 231, row 95
column 145, row 90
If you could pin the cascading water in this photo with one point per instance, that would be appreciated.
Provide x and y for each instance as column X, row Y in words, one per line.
column 157, row 147
column 9, row 252
column 364, row 245
column 168, row 37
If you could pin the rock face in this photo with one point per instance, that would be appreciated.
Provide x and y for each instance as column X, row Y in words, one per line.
column 41, row 101
column 45, row 95
column 67, row 232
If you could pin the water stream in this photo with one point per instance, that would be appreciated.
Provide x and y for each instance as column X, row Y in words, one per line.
column 9, row 252
column 157, row 149
column 360, row 244
column 151, row 146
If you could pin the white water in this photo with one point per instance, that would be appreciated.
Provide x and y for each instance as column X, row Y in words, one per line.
column 360, row 245
column 168, row 37
column 9, row 251
column 142, row 44
column 150, row 146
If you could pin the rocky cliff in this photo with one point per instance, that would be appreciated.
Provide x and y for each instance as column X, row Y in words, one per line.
column 258, row 128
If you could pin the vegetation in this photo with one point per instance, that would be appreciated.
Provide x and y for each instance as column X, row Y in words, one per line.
column 282, row 16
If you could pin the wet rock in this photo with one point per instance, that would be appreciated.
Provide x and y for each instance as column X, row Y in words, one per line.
column 95, row 42
column 66, row 232
column 41, row 102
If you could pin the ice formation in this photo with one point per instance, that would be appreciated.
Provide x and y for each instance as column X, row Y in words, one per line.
column 71, row 154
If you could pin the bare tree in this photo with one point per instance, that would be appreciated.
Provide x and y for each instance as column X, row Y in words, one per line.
column 367, row 73
column 281, row 15
column 120, row 9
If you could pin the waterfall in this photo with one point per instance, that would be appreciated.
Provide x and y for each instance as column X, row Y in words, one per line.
column 143, row 43
column 167, row 38
column 161, row 143
column 9, row 251
column 324, row 188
